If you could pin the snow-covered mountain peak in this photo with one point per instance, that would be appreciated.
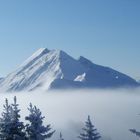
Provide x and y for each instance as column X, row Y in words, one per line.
column 69, row 66
column 55, row 68
column 39, row 53
column 61, row 55
column 42, row 50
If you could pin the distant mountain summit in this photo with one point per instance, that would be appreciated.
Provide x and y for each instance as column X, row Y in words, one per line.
column 55, row 69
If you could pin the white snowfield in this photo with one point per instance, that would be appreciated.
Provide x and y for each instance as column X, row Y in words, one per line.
column 54, row 69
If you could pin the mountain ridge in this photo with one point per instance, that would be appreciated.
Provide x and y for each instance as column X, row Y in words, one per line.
column 55, row 69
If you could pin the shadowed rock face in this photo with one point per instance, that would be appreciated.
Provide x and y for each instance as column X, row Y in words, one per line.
column 100, row 76
column 54, row 69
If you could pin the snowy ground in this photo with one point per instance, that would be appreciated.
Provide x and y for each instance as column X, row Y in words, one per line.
column 112, row 111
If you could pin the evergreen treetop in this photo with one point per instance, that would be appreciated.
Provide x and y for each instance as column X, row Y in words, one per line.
column 35, row 129
column 89, row 131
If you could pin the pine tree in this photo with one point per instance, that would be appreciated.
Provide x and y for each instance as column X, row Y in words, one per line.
column 10, row 126
column 89, row 131
column 35, row 129
column 5, row 122
column 18, row 128
column 60, row 137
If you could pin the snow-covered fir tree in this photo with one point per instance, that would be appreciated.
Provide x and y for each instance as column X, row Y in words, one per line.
column 18, row 128
column 5, row 122
column 60, row 137
column 10, row 126
column 35, row 129
column 89, row 131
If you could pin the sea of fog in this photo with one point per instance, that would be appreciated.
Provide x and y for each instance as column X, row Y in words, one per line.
column 113, row 112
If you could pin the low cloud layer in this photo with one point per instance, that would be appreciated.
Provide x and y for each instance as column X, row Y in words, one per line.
column 113, row 112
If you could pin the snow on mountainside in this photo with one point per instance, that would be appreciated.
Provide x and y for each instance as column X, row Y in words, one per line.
column 54, row 69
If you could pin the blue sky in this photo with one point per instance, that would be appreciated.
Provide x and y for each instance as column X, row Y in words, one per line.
column 105, row 31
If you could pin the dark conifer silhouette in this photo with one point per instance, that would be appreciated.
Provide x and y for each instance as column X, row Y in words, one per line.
column 89, row 131
column 11, row 128
column 35, row 129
